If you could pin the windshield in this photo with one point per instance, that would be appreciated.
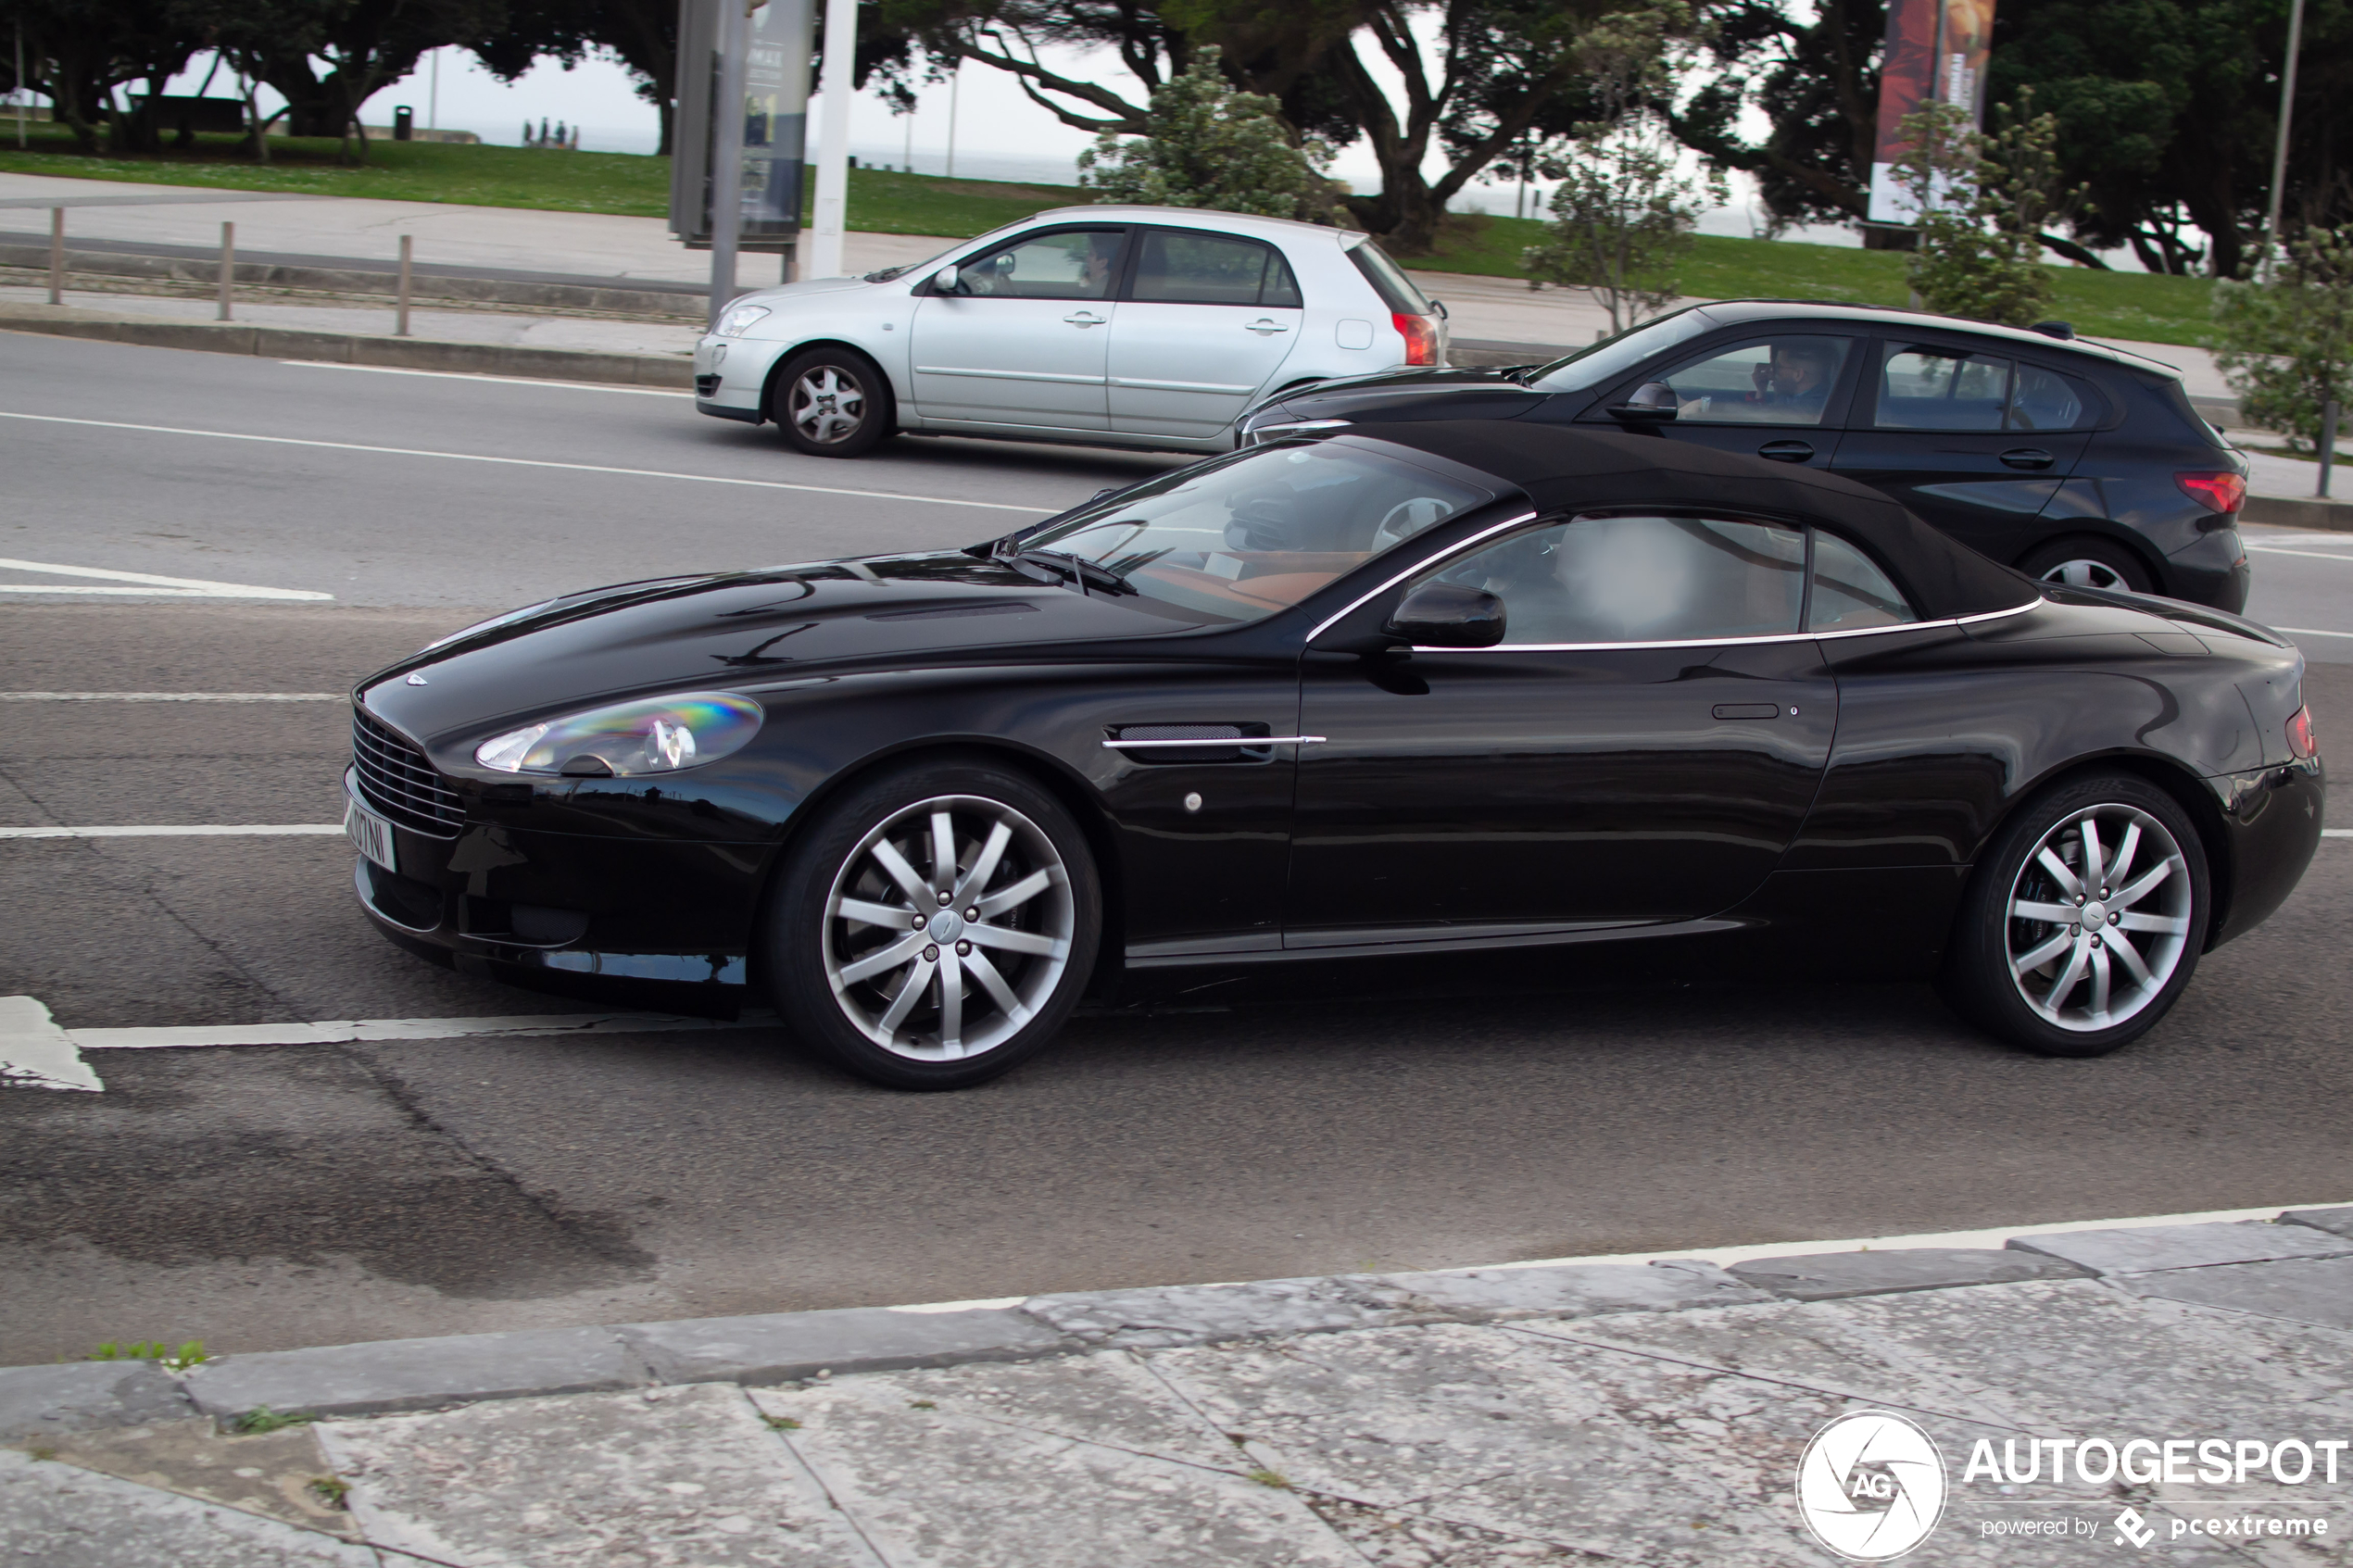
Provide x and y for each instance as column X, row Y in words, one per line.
column 887, row 273
column 1613, row 355
column 1237, row 538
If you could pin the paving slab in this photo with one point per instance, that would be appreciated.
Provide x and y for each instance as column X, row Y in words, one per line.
column 941, row 1489
column 779, row 1346
column 661, row 1478
column 403, row 1374
column 36, row 1402
column 1572, row 1289
column 2311, row 1290
column 1824, row 1277
column 1188, row 1314
column 2185, row 1247
column 271, row 1474
column 2336, row 1222
column 56, row 1515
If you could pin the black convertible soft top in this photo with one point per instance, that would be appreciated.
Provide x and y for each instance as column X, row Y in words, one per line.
column 1568, row 470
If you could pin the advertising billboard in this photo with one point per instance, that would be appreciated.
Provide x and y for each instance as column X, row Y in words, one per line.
column 1936, row 52
column 776, row 111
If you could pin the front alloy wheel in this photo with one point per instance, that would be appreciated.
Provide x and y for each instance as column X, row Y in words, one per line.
column 935, row 926
column 831, row 403
column 2084, row 919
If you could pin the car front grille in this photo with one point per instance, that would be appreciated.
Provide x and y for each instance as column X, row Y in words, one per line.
column 395, row 779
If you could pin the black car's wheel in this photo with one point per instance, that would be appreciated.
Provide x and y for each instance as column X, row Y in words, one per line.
column 2089, row 563
column 2084, row 919
column 936, row 925
column 831, row 403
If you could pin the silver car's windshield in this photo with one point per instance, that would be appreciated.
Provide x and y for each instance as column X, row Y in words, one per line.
column 1237, row 538
column 1614, row 356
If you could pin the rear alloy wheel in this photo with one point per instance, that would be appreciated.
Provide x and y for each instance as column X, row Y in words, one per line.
column 831, row 403
column 2083, row 924
column 2089, row 563
column 937, row 926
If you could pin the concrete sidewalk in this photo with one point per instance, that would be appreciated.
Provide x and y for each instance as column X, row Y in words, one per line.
column 1656, row 1412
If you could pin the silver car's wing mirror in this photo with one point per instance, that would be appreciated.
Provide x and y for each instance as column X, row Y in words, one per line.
column 945, row 281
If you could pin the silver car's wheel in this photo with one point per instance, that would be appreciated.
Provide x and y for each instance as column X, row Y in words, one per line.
column 948, row 927
column 826, row 406
column 2099, row 918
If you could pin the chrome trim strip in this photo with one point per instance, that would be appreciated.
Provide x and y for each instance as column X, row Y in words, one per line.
column 1202, row 741
column 1730, row 642
column 1418, row 566
column 1009, row 375
column 1181, row 385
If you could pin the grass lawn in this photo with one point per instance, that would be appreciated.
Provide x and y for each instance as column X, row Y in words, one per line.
column 2125, row 304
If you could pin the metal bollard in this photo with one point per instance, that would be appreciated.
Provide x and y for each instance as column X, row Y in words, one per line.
column 2328, row 444
column 228, row 266
column 57, row 256
column 400, row 311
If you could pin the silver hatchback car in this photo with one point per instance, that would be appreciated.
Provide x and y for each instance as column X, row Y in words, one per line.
column 1121, row 326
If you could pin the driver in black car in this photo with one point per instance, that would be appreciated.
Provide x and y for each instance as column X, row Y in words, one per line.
column 1796, row 381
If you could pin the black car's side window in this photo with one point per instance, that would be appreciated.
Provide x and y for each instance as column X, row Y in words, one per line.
column 1600, row 580
column 1850, row 592
column 1186, row 267
column 1941, row 389
column 1779, row 381
column 2043, row 399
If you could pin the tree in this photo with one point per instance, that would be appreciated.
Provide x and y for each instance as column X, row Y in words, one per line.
column 1983, row 204
column 79, row 54
column 1205, row 145
column 1622, row 213
column 643, row 35
column 2286, row 347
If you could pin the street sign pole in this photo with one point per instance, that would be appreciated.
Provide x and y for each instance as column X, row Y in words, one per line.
column 833, row 140
column 727, row 153
column 2279, row 153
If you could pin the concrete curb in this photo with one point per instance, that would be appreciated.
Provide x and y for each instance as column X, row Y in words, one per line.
column 2302, row 1258
column 351, row 348
column 2286, row 511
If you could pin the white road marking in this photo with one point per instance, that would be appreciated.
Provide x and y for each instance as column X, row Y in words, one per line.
column 35, row 1053
column 152, row 586
column 503, row 380
column 261, row 830
column 2336, row 833
column 338, row 1031
column 174, row 697
column 2309, row 555
column 2309, row 631
column 526, row 463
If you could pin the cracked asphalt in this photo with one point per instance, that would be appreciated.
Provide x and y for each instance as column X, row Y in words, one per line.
column 270, row 1197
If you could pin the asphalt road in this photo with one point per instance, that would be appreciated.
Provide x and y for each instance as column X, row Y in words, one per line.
column 264, row 1197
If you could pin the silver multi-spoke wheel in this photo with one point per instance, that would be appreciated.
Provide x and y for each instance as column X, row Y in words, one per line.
column 2100, row 917
column 2085, row 574
column 826, row 404
column 948, row 927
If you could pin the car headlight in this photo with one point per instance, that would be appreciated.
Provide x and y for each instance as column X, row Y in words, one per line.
column 655, row 735
column 741, row 318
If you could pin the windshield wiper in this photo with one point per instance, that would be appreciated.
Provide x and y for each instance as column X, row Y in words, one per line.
column 1082, row 573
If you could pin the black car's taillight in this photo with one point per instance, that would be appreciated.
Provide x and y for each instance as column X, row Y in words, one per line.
column 2300, row 739
column 1421, row 337
column 2216, row 491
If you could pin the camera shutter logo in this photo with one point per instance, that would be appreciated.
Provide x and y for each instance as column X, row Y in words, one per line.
column 1870, row 1487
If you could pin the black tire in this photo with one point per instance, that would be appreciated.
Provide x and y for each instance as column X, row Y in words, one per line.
column 2127, row 814
column 831, row 403
column 840, row 978
column 2086, row 562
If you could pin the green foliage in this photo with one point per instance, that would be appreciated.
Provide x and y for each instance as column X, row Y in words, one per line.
column 329, row 1489
column 1983, row 203
column 261, row 1418
column 1623, row 214
column 2286, row 345
column 781, row 1423
column 190, row 1354
column 1208, row 146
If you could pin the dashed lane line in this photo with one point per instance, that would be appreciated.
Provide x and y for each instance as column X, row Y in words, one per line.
column 2309, row 631
column 500, row 380
column 174, row 697
column 148, row 584
column 2309, row 555
column 525, row 463
column 241, row 829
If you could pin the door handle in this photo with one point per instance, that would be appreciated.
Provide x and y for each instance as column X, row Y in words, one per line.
column 2026, row 457
column 1787, row 451
column 1746, row 709
column 1262, row 326
column 1085, row 318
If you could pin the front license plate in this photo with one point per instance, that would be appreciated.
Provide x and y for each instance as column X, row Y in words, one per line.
column 370, row 834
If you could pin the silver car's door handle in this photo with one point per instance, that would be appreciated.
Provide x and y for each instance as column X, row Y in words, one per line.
column 1262, row 326
column 1085, row 318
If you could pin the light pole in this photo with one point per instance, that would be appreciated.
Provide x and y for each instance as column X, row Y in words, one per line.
column 727, row 153
column 2287, row 111
column 833, row 140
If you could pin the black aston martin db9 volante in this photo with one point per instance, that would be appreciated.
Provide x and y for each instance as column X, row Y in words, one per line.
column 1465, row 687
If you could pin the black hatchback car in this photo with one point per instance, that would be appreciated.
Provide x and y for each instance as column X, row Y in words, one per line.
column 2073, row 462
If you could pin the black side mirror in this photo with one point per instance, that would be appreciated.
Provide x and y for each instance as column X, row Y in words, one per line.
column 1447, row 615
column 1653, row 403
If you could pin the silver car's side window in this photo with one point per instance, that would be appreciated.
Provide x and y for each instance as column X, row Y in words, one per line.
column 1067, row 264
column 1781, row 381
column 1641, row 579
column 1188, row 267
